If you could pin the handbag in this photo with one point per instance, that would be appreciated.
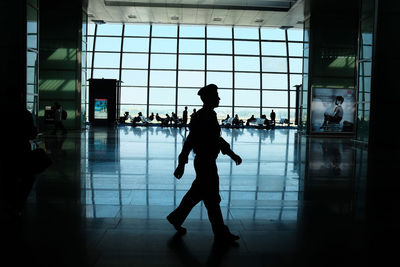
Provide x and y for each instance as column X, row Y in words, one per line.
column 38, row 160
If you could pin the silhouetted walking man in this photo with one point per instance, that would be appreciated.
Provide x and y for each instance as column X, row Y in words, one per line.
column 206, row 141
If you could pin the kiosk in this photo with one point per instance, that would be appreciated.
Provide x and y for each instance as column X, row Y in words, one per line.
column 104, row 98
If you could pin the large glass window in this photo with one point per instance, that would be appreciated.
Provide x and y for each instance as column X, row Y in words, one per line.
column 163, row 66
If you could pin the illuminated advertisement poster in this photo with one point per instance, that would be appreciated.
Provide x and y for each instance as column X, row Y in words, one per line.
column 100, row 108
column 332, row 110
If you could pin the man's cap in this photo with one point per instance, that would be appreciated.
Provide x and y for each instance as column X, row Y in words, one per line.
column 207, row 90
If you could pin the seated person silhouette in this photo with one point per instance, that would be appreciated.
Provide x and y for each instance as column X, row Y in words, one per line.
column 136, row 119
column 165, row 121
column 158, row 118
column 337, row 114
column 205, row 140
column 251, row 119
column 237, row 122
column 151, row 117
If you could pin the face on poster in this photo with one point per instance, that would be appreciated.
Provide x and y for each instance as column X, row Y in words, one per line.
column 100, row 108
column 332, row 110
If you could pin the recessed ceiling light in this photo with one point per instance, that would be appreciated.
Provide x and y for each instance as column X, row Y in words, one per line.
column 174, row 18
column 259, row 20
column 217, row 19
column 132, row 16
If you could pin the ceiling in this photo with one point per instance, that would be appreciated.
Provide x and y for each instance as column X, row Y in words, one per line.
column 212, row 12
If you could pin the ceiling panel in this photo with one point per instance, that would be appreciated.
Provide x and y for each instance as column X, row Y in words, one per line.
column 230, row 12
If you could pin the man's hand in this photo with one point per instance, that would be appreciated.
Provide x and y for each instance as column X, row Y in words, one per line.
column 178, row 173
column 236, row 159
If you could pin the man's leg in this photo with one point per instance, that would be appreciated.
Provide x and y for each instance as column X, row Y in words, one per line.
column 220, row 230
column 178, row 216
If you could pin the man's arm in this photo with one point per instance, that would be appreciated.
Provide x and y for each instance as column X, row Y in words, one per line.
column 226, row 150
column 183, row 156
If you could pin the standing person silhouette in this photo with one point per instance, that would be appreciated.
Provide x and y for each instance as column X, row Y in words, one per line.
column 206, row 141
column 273, row 116
column 185, row 117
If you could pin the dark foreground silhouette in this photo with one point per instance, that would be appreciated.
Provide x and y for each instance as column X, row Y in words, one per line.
column 205, row 140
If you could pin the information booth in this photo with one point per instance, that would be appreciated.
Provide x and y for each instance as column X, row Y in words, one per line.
column 104, row 98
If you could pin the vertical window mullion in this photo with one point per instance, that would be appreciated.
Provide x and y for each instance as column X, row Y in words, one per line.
column 120, row 68
column 288, row 75
column 205, row 55
column 148, row 73
column 233, row 72
column 177, row 68
column 261, row 80
column 93, row 50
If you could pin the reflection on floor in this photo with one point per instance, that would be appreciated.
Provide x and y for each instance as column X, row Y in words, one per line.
column 294, row 201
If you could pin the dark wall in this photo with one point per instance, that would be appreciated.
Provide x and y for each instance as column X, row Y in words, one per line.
column 384, row 143
column 60, row 57
column 13, row 45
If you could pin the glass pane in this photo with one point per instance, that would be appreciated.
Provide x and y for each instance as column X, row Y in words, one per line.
column 191, row 79
column 226, row 97
column 192, row 31
column 135, row 60
column 109, row 29
column 137, row 30
column 273, row 99
column 219, row 62
column 219, row 32
column 296, row 65
column 219, row 47
column 274, row 64
column 191, row 62
column 273, row 48
column 189, row 97
column 275, row 81
column 106, row 74
column 247, row 80
column 191, row 46
column 134, row 77
column 163, row 61
column 221, row 79
column 295, row 80
column 132, row 109
column 272, row 34
column 166, row 30
column 31, row 59
column 245, row 113
column 136, row 45
column 162, row 95
column 246, row 32
column 247, row 98
column 106, row 60
column 163, row 45
column 247, row 48
column 247, row 63
column 133, row 95
column 295, row 34
column 162, row 78
column 295, row 49
column 162, row 110
column 108, row 44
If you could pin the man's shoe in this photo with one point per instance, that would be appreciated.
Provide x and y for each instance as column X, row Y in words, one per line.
column 181, row 230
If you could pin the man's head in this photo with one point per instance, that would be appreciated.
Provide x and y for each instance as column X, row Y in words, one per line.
column 209, row 95
column 339, row 100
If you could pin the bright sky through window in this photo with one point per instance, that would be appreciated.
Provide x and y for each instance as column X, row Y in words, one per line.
column 163, row 66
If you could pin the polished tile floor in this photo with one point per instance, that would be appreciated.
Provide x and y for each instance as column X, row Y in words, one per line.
column 294, row 201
